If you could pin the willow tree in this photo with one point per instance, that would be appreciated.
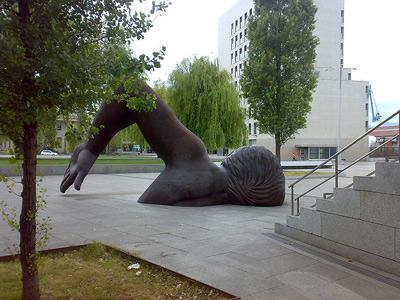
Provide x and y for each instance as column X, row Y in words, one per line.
column 205, row 100
column 55, row 57
column 278, row 77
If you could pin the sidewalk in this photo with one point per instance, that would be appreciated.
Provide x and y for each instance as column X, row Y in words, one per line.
column 229, row 247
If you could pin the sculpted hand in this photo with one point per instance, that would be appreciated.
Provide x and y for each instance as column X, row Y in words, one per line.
column 81, row 162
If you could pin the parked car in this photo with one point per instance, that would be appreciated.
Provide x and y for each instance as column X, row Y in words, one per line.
column 48, row 152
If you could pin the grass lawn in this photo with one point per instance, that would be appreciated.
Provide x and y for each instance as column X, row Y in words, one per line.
column 94, row 273
column 302, row 173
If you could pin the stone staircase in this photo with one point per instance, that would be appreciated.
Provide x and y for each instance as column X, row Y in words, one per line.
column 361, row 224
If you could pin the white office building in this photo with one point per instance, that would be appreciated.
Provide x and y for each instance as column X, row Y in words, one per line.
column 336, row 100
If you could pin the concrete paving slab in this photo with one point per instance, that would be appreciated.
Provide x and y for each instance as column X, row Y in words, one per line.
column 229, row 278
column 281, row 292
column 223, row 246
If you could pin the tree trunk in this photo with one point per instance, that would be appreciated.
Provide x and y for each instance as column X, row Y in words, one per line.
column 30, row 276
column 278, row 149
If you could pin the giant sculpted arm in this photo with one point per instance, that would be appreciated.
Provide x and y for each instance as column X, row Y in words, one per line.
column 160, row 127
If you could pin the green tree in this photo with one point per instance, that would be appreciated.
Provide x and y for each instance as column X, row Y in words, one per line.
column 54, row 57
column 278, row 77
column 205, row 100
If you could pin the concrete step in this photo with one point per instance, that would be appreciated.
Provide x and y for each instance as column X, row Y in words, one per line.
column 308, row 221
column 373, row 260
column 360, row 234
column 380, row 208
column 384, row 185
column 345, row 202
column 387, row 169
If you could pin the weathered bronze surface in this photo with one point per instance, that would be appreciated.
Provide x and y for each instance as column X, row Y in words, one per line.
column 249, row 176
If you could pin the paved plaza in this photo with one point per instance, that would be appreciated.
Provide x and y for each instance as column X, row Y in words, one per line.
column 230, row 247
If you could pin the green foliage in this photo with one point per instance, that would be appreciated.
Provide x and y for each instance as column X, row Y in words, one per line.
column 206, row 102
column 67, row 56
column 278, row 77
column 60, row 58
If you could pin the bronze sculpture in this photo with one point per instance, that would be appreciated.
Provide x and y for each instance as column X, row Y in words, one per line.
column 249, row 176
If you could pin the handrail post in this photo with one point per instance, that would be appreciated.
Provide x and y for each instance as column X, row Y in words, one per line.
column 398, row 141
column 337, row 171
column 292, row 192
column 298, row 206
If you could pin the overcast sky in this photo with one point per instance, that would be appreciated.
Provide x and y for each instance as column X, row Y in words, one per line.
column 372, row 43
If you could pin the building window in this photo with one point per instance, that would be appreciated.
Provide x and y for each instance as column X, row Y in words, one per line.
column 236, row 56
column 341, row 63
column 255, row 128
column 245, row 34
column 236, row 41
column 232, row 28
column 245, row 50
column 236, row 71
column 245, row 18
column 251, row 12
column 342, row 32
column 341, row 49
column 366, row 126
column 249, row 128
column 241, row 37
column 314, row 151
column 240, row 69
column 240, row 53
column 241, row 22
column 342, row 15
column 232, row 59
column 321, row 153
column 349, row 76
column 231, row 71
column 236, row 25
column 59, row 126
column 232, row 43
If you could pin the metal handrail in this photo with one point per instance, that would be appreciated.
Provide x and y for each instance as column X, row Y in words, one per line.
column 349, row 166
column 336, row 157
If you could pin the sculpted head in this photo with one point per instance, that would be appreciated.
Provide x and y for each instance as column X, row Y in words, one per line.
column 255, row 177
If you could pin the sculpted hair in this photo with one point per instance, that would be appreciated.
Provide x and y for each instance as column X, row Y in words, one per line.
column 255, row 177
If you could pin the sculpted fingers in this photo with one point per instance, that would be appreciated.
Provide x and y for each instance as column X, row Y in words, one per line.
column 67, row 181
column 79, row 179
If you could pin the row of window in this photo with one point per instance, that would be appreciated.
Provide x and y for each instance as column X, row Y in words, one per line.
column 255, row 132
column 241, row 22
column 239, row 39
column 317, row 152
column 237, row 71
column 239, row 54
